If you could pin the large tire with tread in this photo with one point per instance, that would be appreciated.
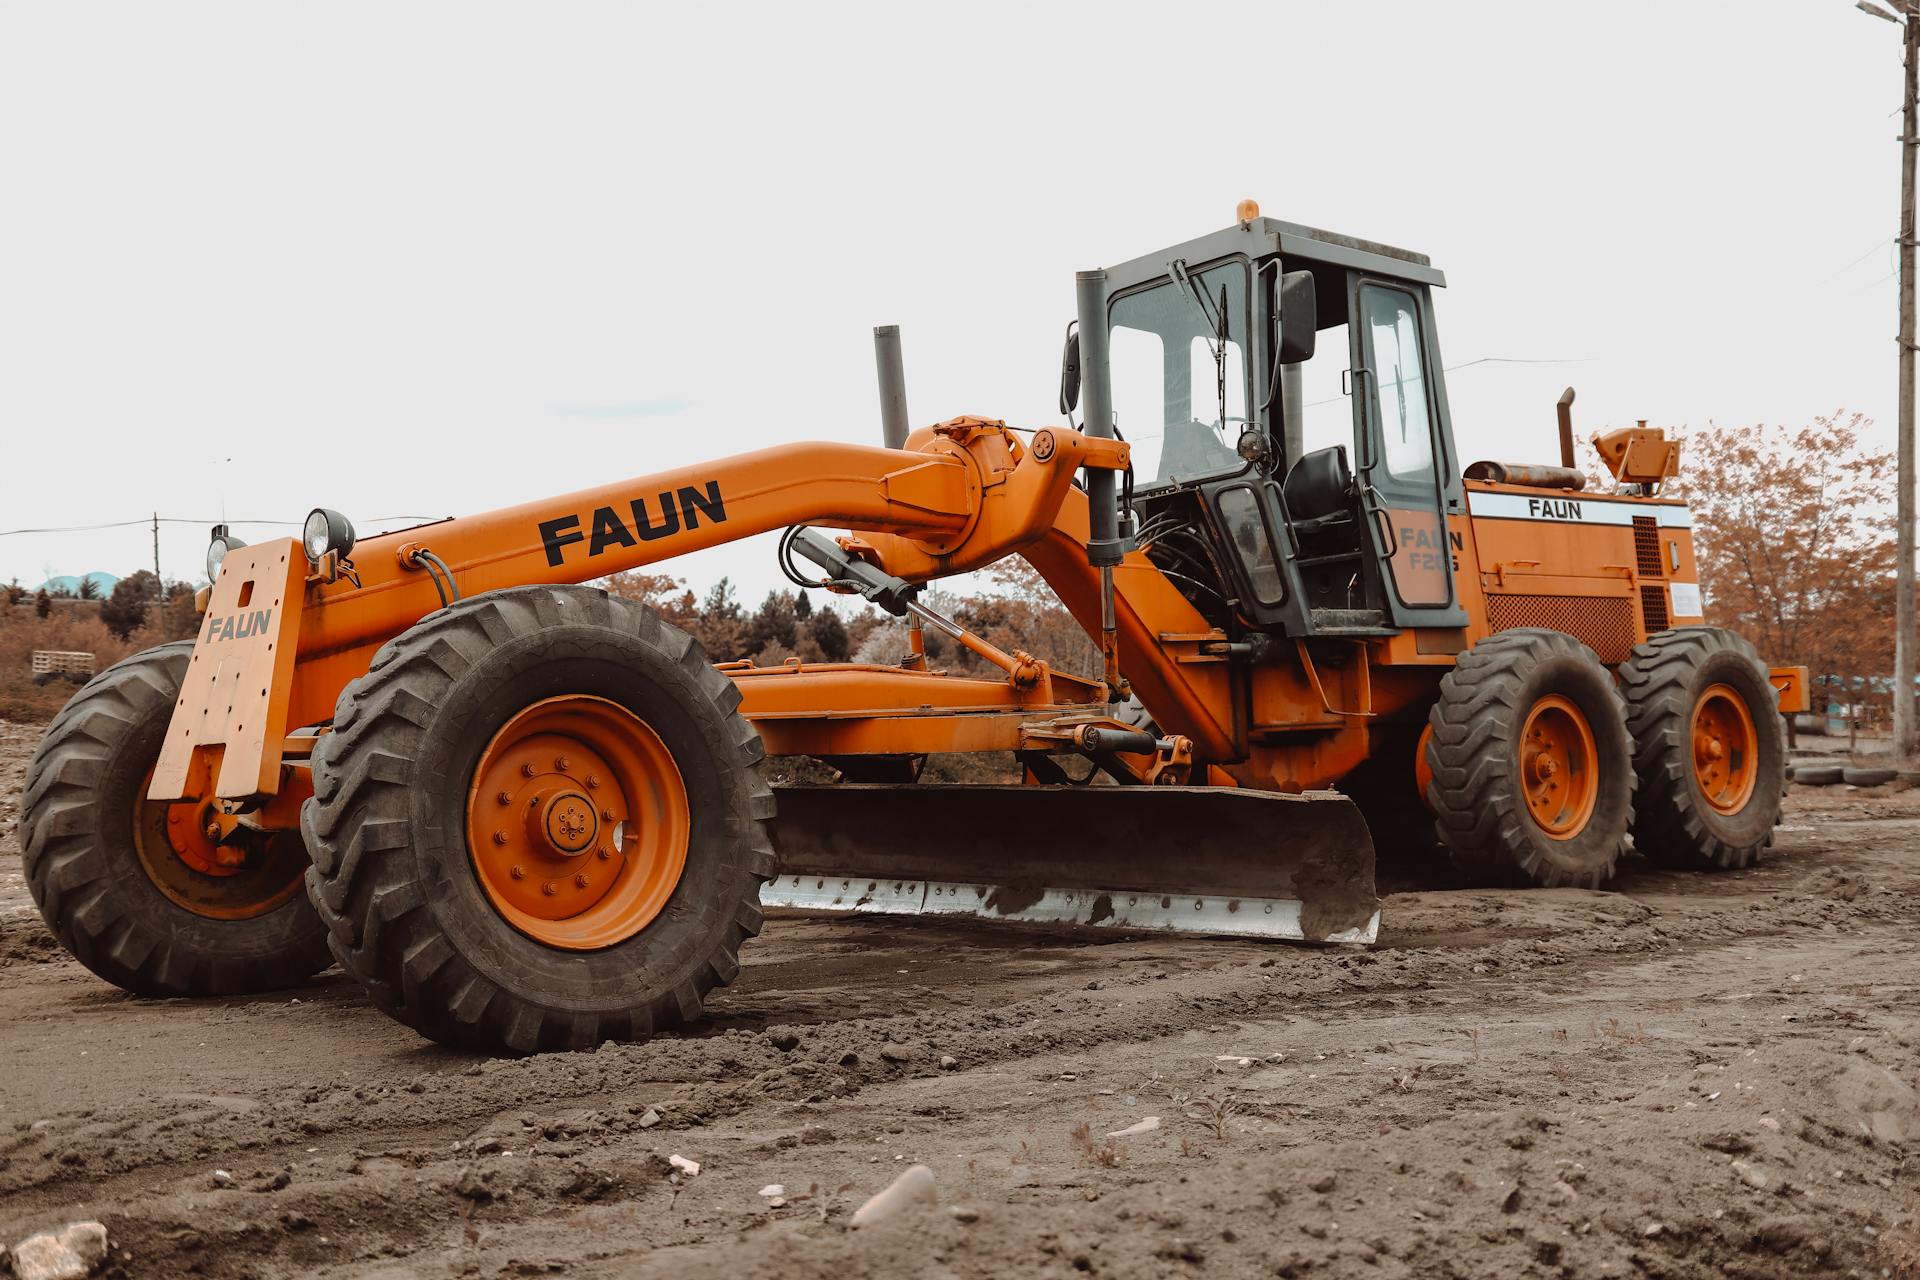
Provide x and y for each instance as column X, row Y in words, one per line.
column 404, row 896
column 99, row 865
column 1713, row 811
column 1499, row 810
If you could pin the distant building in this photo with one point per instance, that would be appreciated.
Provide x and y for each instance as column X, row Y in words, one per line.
column 68, row 584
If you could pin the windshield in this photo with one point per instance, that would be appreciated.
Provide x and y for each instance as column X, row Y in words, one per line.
column 1178, row 354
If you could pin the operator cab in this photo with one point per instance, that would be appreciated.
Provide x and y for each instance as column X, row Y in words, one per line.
column 1293, row 462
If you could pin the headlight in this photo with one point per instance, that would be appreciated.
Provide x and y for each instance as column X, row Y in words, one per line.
column 326, row 531
column 222, row 543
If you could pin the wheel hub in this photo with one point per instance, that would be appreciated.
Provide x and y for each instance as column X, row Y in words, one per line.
column 1557, row 756
column 1725, row 761
column 577, row 822
column 203, row 859
column 563, row 824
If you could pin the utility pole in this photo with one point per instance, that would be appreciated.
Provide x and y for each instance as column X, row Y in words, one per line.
column 1905, row 14
column 159, row 583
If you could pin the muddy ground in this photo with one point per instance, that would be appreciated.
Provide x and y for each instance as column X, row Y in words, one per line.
column 1691, row 1076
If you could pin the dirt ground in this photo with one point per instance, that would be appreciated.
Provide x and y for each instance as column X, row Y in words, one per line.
column 1691, row 1076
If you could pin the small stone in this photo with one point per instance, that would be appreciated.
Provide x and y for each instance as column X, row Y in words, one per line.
column 1324, row 1183
column 689, row 1167
column 1562, row 1194
column 892, row 1052
column 73, row 1252
column 485, row 1146
column 43, row 1257
column 1135, row 1130
column 1510, row 1203
column 220, row 1179
column 914, row 1186
column 964, row 1213
column 649, row 1118
column 1653, row 1229
column 784, row 1041
column 1751, row 1175
column 1768, row 1122
column 773, row 1190
column 948, row 1062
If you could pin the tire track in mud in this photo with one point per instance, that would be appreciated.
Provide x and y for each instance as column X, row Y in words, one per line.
column 383, row 1154
column 571, row 1160
column 821, row 1014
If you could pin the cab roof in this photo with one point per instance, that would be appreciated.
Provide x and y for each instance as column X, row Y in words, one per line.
column 1260, row 237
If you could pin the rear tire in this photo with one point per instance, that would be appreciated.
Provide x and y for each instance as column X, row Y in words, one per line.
column 1709, row 812
column 99, row 864
column 424, row 924
column 1532, row 773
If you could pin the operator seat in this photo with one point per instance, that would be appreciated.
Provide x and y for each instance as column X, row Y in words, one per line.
column 1319, row 489
column 1323, row 504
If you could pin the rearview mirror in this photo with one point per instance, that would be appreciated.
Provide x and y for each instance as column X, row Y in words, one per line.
column 1070, row 372
column 1296, row 311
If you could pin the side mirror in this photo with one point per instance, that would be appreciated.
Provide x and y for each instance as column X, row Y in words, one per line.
column 1070, row 372
column 1296, row 311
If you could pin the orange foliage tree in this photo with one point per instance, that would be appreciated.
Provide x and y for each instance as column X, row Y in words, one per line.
column 1793, row 533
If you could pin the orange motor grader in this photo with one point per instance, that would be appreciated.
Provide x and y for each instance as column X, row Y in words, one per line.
column 526, row 814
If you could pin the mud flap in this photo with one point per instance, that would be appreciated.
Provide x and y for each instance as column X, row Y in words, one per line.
column 1213, row 860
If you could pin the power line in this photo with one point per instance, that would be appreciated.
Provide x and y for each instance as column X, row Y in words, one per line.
column 148, row 520
column 1468, row 365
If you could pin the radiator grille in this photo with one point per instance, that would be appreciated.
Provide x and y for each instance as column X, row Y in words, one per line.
column 1602, row 623
column 1646, row 546
column 1653, row 603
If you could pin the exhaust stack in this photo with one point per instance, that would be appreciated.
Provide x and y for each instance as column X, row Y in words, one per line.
column 893, row 385
column 1565, row 410
column 1096, row 408
column 1105, row 547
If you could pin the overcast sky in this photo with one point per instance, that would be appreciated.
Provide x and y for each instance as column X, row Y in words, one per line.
column 426, row 259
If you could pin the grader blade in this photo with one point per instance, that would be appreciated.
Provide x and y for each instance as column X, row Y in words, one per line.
column 1211, row 860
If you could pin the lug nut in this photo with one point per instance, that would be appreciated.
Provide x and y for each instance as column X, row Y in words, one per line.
column 605, row 853
column 606, row 815
column 499, row 837
column 519, row 873
column 526, row 771
column 593, row 782
column 561, row 763
column 581, row 880
column 548, row 888
column 504, row 797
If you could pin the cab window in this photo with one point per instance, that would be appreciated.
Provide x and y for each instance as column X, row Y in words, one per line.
column 1177, row 352
column 1398, row 383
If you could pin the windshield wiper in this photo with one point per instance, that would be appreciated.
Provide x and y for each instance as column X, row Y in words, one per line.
column 1216, row 320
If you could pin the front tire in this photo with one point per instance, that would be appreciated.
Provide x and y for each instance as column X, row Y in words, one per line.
column 1708, row 747
column 1532, row 771
column 538, row 824
column 131, row 886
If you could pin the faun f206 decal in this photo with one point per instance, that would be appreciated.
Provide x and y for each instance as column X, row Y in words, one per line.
column 642, row 521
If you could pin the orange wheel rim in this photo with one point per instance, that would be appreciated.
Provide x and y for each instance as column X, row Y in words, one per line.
column 577, row 822
column 1557, row 759
column 1725, row 764
column 205, row 862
